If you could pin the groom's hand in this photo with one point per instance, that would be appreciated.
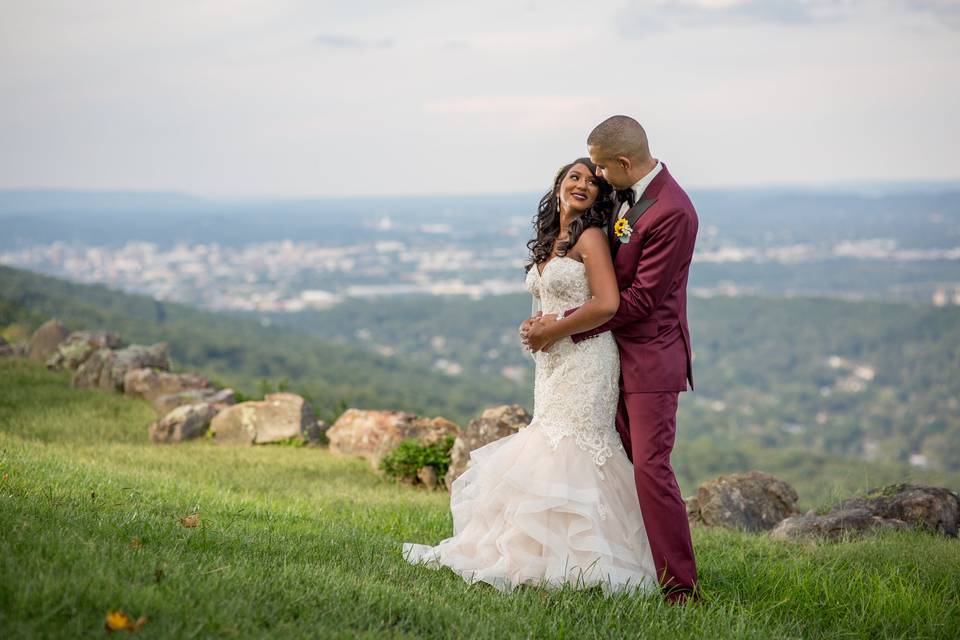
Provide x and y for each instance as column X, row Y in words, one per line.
column 540, row 337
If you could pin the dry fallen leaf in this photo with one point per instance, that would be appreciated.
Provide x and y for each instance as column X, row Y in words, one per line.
column 6, row 476
column 120, row 621
column 191, row 520
column 136, row 543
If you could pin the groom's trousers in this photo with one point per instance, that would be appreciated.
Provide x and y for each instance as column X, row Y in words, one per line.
column 647, row 425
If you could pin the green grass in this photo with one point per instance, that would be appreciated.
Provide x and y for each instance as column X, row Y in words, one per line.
column 295, row 542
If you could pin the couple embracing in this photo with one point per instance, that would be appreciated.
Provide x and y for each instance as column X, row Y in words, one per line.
column 585, row 494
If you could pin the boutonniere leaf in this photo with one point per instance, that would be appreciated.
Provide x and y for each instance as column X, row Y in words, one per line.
column 622, row 230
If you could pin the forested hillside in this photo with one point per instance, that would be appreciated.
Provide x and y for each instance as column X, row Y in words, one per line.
column 854, row 379
column 248, row 356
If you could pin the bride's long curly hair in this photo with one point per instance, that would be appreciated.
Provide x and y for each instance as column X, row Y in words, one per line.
column 546, row 223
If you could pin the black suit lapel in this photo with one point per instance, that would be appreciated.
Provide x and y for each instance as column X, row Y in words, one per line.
column 634, row 214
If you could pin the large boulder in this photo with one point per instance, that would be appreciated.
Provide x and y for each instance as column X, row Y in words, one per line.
column 278, row 417
column 44, row 341
column 78, row 346
column 752, row 501
column 374, row 434
column 493, row 424
column 149, row 383
column 107, row 368
column 183, row 423
column 218, row 399
column 898, row 506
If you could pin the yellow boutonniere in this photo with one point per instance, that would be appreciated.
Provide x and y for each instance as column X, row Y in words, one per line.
column 622, row 230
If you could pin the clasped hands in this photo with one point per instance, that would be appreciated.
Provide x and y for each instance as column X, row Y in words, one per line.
column 535, row 332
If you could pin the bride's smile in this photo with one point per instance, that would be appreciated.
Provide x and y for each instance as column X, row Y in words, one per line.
column 579, row 189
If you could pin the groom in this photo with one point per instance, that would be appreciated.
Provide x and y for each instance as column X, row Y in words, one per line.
column 651, row 255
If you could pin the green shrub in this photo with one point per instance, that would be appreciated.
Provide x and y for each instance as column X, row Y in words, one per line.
column 402, row 463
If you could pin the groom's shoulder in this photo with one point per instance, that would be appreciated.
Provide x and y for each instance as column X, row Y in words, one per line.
column 673, row 196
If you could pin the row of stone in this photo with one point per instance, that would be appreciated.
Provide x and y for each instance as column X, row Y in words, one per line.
column 187, row 404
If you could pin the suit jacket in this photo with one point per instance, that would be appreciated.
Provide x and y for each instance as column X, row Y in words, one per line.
column 650, row 325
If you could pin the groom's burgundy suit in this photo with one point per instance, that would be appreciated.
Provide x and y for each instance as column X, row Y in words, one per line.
column 651, row 331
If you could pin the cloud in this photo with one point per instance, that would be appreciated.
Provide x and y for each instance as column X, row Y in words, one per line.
column 946, row 10
column 657, row 15
column 351, row 43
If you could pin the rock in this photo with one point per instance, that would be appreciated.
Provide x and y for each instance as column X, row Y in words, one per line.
column 44, row 341
column 374, row 434
column 6, row 349
column 493, row 424
column 78, row 346
column 107, row 368
column 150, row 383
column 898, row 506
column 220, row 400
column 428, row 477
column 276, row 418
column 183, row 423
column 834, row 525
column 752, row 501
column 88, row 373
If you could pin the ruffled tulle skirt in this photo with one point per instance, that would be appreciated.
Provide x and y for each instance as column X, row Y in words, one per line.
column 527, row 514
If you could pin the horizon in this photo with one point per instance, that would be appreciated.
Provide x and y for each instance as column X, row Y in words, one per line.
column 848, row 187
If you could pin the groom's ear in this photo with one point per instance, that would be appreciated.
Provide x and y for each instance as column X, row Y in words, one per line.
column 624, row 162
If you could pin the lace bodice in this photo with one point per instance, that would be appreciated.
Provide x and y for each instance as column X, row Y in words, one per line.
column 562, row 285
column 577, row 385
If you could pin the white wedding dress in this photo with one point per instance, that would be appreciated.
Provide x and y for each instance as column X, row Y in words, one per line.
column 555, row 503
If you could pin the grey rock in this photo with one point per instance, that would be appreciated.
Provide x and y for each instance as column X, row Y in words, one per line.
column 752, row 501
column 218, row 399
column 150, row 383
column 276, row 418
column 44, row 341
column 183, row 423
column 78, row 346
column 897, row 506
column 107, row 368
column 494, row 423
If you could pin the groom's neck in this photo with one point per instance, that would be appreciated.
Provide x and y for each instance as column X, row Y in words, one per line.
column 638, row 172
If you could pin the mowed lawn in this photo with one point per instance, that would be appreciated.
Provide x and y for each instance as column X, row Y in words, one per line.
column 296, row 542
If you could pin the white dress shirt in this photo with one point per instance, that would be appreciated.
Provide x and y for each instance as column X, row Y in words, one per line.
column 639, row 187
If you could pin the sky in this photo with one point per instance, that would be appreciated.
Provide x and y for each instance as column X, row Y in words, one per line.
column 291, row 98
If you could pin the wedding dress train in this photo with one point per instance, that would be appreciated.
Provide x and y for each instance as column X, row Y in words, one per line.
column 555, row 503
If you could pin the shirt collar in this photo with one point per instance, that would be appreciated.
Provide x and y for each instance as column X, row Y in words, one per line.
column 644, row 182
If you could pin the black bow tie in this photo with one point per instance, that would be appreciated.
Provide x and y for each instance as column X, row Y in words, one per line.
column 627, row 195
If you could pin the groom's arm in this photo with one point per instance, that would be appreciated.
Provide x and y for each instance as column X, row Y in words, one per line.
column 668, row 248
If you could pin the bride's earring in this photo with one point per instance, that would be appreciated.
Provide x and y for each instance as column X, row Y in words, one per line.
column 558, row 203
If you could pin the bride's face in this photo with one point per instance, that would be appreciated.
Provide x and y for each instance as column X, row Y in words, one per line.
column 578, row 189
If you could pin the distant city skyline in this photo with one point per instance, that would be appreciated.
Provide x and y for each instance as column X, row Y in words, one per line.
column 257, row 98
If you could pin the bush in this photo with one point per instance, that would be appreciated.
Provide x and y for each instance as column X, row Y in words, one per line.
column 402, row 463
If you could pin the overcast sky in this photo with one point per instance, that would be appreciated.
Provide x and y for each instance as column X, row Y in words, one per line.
column 297, row 98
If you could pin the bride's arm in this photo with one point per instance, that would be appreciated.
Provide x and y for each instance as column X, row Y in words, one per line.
column 592, row 246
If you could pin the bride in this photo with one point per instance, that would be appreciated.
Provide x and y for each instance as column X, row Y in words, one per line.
column 555, row 503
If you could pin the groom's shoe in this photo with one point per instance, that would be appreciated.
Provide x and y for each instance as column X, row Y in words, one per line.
column 682, row 596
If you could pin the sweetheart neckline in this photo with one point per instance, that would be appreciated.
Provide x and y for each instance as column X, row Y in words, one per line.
column 540, row 274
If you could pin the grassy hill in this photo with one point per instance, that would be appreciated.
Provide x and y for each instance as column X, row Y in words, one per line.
column 295, row 542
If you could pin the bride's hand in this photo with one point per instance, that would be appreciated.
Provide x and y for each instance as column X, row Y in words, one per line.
column 539, row 337
column 525, row 327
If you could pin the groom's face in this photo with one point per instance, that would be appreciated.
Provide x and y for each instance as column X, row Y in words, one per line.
column 610, row 168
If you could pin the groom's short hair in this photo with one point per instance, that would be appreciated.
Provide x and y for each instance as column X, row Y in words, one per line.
column 621, row 136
